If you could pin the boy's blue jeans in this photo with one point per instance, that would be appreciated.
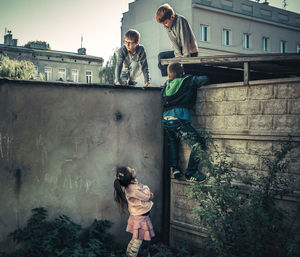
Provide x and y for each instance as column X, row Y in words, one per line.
column 183, row 130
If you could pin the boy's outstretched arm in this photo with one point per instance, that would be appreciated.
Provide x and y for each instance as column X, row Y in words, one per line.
column 200, row 81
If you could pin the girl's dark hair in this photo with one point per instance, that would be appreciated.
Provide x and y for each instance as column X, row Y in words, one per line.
column 133, row 34
column 123, row 179
column 164, row 12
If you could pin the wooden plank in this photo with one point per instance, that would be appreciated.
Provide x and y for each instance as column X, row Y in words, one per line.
column 233, row 58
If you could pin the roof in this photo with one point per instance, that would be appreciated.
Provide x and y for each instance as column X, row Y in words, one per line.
column 52, row 53
column 234, row 68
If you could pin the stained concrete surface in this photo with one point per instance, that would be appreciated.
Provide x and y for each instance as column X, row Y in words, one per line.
column 60, row 145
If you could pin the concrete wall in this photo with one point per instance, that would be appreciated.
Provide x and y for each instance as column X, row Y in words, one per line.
column 60, row 144
column 247, row 123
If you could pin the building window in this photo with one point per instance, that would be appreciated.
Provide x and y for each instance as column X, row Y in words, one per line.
column 203, row 33
column 75, row 75
column 88, row 76
column 298, row 49
column 282, row 46
column 226, row 37
column 48, row 73
column 265, row 44
column 61, row 74
column 246, row 40
column 36, row 73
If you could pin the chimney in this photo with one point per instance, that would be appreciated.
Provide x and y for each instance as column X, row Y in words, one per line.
column 82, row 51
column 8, row 39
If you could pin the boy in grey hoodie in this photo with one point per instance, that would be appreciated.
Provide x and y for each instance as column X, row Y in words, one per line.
column 131, row 61
column 180, row 34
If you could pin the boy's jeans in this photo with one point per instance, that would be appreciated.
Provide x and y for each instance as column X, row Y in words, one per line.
column 183, row 130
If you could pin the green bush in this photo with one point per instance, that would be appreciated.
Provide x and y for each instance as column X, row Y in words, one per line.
column 245, row 223
column 107, row 73
column 62, row 237
column 16, row 69
column 38, row 44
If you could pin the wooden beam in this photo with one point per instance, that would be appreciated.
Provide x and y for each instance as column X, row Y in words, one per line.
column 233, row 58
column 246, row 73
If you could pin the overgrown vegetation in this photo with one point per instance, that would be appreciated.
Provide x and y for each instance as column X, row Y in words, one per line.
column 38, row 44
column 249, row 223
column 16, row 69
column 62, row 237
column 107, row 73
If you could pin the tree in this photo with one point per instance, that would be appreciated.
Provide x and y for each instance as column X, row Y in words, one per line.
column 16, row 69
column 107, row 73
column 38, row 44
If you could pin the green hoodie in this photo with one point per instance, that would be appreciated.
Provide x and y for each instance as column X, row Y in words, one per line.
column 174, row 85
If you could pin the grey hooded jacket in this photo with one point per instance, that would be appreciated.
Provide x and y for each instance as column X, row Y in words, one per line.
column 182, row 37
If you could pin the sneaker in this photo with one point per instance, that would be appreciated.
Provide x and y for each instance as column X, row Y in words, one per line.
column 195, row 177
column 131, row 83
column 176, row 173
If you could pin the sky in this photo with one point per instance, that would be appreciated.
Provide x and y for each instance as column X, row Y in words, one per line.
column 61, row 23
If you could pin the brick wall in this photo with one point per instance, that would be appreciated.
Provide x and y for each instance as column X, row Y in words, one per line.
column 247, row 123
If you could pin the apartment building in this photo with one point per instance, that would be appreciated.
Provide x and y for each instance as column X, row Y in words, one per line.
column 54, row 65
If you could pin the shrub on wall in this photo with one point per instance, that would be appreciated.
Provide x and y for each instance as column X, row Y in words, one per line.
column 249, row 223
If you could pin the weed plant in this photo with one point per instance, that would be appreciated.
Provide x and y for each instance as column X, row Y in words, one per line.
column 245, row 223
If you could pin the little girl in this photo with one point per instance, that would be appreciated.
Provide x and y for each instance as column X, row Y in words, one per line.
column 137, row 199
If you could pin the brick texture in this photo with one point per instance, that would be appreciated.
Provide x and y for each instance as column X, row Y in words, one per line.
column 248, row 124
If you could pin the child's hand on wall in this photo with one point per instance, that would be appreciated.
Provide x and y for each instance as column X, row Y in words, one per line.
column 151, row 196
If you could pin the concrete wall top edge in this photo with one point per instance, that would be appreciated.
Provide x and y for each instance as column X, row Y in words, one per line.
column 255, row 82
column 71, row 84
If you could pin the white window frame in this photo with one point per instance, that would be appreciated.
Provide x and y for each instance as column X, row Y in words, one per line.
column 283, row 46
column 204, row 33
column 246, row 40
column 265, row 44
column 62, row 74
column 36, row 73
column 89, row 76
column 226, row 37
column 48, row 73
column 75, row 75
